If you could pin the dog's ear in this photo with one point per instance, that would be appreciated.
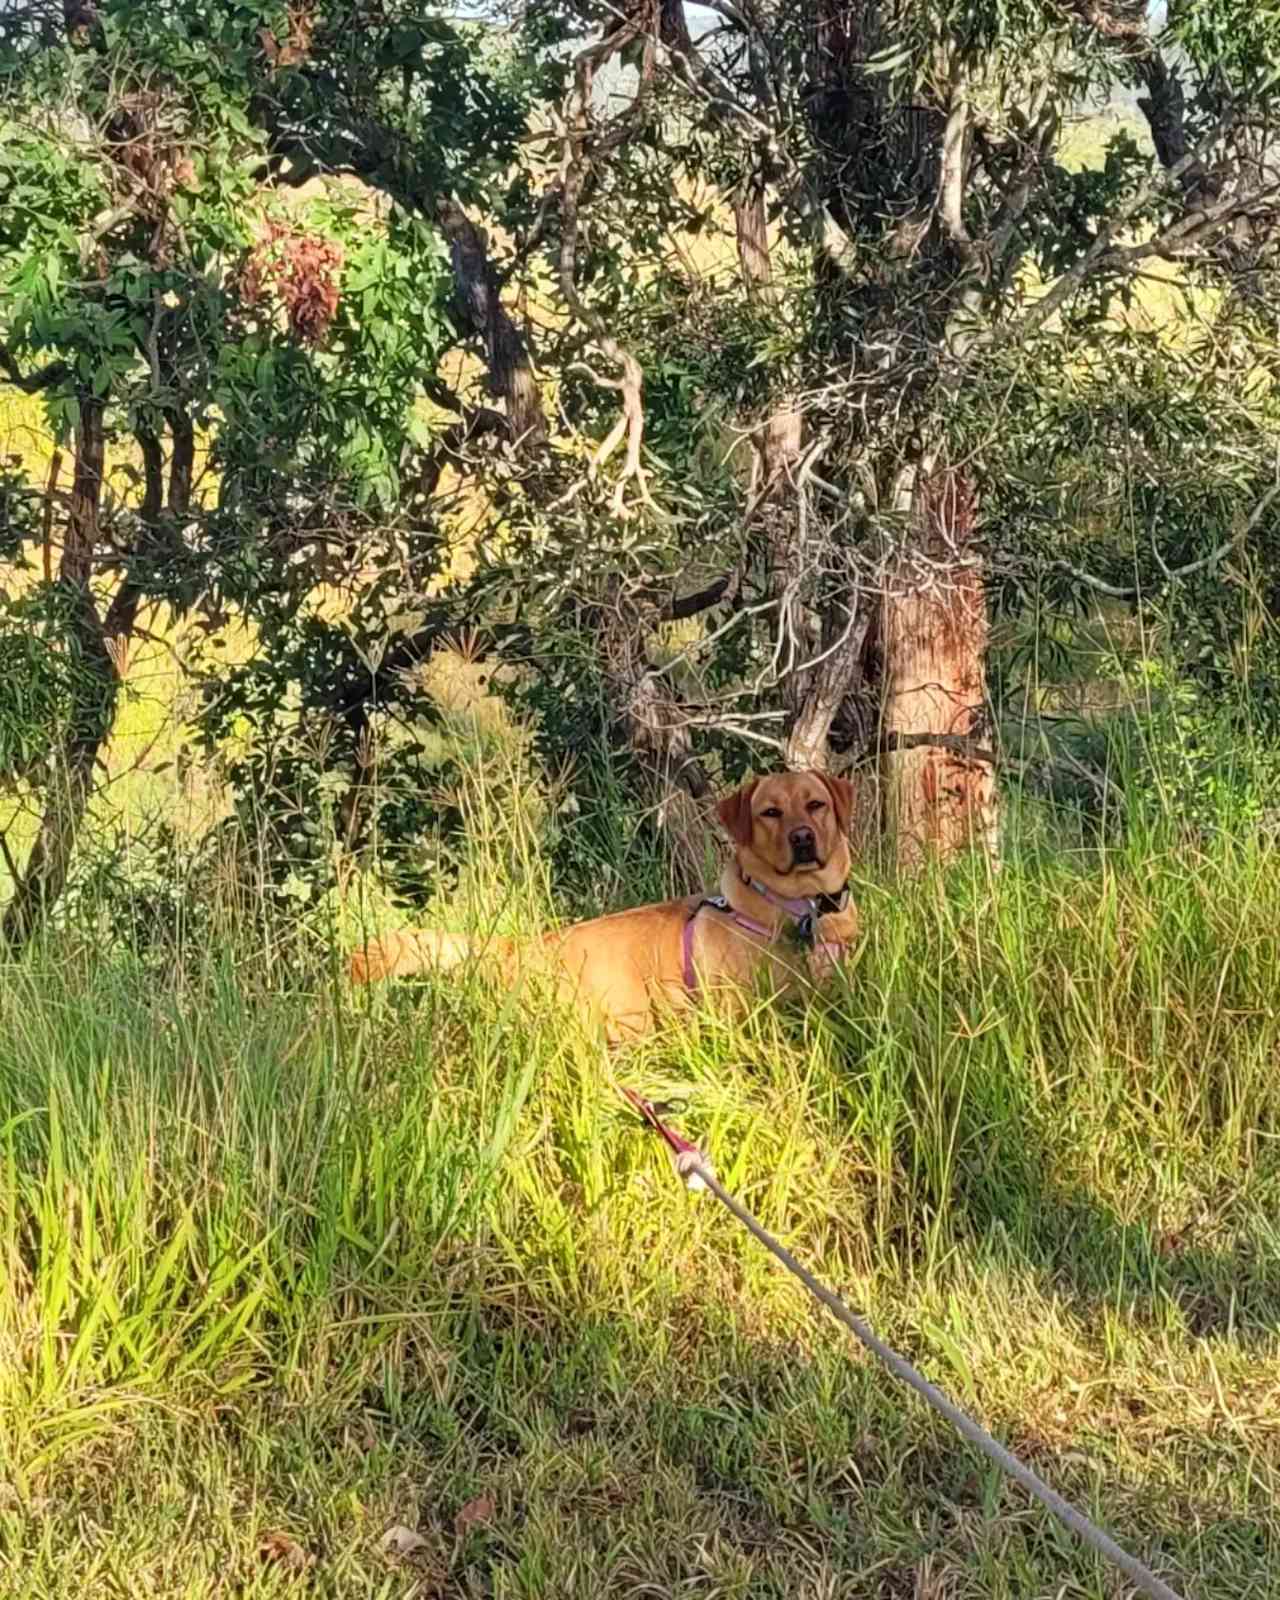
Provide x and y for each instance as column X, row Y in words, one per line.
column 734, row 812
column 841, row 792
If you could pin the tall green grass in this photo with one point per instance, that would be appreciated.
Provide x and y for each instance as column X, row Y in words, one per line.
column 280, row 1260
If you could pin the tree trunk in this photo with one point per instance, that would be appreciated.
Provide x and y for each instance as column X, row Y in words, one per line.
column 938, row 798
column 751, row 227
column 67, row 799
column 479, row 300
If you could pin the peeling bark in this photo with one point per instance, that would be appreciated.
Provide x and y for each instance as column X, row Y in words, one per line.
column 939, row 800
column 751, row 227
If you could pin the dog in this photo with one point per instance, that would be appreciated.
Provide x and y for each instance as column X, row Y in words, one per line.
column 784, row 915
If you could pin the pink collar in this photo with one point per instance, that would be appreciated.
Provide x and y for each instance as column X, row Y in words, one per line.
column 797, row 910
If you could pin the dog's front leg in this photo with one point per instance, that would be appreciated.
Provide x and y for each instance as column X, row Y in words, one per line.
column 832, row 935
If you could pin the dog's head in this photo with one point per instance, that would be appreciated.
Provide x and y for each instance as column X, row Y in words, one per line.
column 791, row 830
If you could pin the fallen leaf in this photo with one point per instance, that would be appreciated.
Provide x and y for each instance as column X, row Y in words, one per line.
column 284, row 1551
column 474, row 1514
column 401, row 1541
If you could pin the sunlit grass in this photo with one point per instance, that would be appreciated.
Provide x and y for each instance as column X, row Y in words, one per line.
column 284, row 1260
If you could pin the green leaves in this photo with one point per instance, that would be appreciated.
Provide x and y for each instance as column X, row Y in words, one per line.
column 260, row 358
column 1239, row 45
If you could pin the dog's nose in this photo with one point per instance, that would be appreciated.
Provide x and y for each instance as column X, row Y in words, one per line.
column 802, row 838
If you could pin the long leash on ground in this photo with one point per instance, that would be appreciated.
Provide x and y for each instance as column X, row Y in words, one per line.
column 697, row 1172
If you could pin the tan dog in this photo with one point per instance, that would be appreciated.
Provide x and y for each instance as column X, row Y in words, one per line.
column 783, row 914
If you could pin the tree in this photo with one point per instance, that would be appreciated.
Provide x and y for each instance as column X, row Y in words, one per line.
column 912, row 252
column 757, row 509
column 235, row 377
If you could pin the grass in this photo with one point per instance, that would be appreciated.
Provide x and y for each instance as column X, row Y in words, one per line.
column 288, row 1271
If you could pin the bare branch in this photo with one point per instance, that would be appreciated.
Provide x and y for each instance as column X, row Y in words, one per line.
column 693, row 605
column 1033, row 146
column 954, row 174
column 1219, row 553
column 1164, row 105
column 714, row 93
column 11, row 866
column 630, row 424
column 1099, row 585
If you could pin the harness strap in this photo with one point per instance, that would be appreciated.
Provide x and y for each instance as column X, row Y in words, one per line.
column 804, row 913
column 719, row 903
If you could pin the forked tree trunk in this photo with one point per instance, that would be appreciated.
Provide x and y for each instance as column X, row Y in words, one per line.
column 655, row 729
column 939, row 794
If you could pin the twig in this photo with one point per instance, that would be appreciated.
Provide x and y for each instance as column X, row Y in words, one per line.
column 1118, row 592
column 11, row 866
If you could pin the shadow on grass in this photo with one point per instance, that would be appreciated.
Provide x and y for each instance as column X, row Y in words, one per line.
column 1094, row 1258
column 1216, row 1275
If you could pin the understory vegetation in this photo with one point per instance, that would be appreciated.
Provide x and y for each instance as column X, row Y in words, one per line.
column 395, row 1296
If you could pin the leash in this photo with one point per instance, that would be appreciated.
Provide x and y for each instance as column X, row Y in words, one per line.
column 697, row 1172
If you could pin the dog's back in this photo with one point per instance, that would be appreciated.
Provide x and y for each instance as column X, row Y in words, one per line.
column 613, row 966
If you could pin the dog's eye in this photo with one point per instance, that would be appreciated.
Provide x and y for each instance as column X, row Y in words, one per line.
column 816, row 805
column 771, row 811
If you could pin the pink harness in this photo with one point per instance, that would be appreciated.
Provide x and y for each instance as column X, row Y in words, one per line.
column 804, row 913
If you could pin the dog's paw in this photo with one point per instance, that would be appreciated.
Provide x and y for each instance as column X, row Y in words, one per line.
column 837, row 927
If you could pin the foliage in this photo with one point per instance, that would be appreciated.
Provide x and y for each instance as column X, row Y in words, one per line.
column 900, row 320
column 38, row 684
column 1132, row 458
column 260, row 361
column 870, row 228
